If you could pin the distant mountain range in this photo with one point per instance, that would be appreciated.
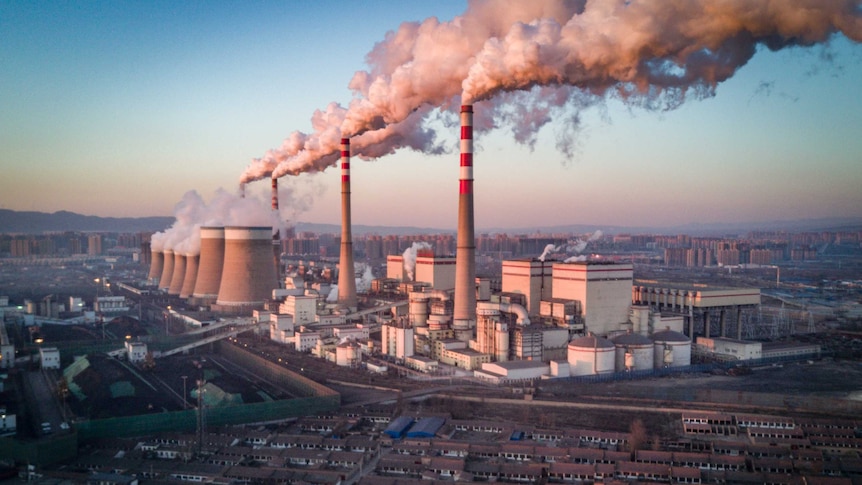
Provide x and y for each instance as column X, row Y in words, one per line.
column 40, row 222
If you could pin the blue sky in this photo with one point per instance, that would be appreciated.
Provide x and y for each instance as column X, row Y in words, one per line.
column 119, row 108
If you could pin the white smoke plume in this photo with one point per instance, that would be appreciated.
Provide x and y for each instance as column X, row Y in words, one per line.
column 554, row 57
column 332, row 297
column 574, row 259
column 410, row 258
column 363, row 283
column 225, row 209
column 550, row 248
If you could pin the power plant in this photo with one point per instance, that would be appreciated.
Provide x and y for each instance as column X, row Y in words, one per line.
column 546, row 317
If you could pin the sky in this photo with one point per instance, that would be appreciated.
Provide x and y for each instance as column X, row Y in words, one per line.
column 121, row 108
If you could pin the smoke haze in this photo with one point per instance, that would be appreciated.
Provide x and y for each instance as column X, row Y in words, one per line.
column 525, row 63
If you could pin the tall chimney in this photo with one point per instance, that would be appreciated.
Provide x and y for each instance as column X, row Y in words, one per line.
column 167, row 269
column 157, row 261
column 210, row 264
column 464, row 317
column 276, row 236
column 346, row 276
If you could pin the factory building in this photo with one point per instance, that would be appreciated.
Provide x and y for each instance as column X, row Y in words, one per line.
column 603, row 288
column 437, row 271
column 397, row 340
column 708, row 310
column 530, row 277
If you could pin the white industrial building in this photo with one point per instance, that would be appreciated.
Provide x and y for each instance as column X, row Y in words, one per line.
column 397, row 340
column 730, row 349
column 603, row 288
column 136, row 351
column 530, row 277
column 50, row 357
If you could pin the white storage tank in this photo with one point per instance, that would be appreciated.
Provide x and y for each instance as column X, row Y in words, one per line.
column 672, row 349
column 633, row 352
column 590, row 355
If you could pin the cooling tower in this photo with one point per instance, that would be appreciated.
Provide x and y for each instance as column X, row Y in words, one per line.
column 179, row 274
column 248, row 276
column 167, row 269
column 464, row 317
column 210, row 263
column 346, row 276
column 157, row 261
column 192, row 263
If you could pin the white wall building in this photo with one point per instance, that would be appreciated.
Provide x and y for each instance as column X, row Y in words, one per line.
column 136, row 351
column 303, row 308
column 730, row 349
column 396, row 340
column 603, row 288
column 50, row 357
column 281, row 328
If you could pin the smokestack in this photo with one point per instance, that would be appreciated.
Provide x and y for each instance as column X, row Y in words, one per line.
column 157, row 261
column 178, row 275
column 276, row 236
column 192, row 264
column 248, row 276
column 346, row 276
column 167, row 269
column 464, row 317
column 210, row 264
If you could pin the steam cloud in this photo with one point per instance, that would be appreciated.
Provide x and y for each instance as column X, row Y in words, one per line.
column 573, row 246
column 525, row 63
column 410, row 257
column 225, row 209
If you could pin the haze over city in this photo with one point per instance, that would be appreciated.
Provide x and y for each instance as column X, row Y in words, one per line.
column 120, row 109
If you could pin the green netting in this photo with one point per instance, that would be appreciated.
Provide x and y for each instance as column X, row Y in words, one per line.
column 211, row 374
column 214, row 396
column 122, row 389
column 76, row 390
column 79, row 365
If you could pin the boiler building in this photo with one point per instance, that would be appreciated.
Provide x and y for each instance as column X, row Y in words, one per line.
column 603, row 288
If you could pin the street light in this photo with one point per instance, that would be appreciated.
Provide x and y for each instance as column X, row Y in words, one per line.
column 184, row 390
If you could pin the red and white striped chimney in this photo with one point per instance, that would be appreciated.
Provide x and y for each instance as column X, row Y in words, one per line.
column 346, row 276
column 464, row 318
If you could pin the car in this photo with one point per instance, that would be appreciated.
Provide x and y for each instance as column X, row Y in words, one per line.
column 46, row 428
column 64, row 425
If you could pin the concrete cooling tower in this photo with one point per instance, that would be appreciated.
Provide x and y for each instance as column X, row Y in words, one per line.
column 191, row 275
column 157, row 261
column 179, row 274
column 210, row 263
column 464, row 318
column 167, row 270
column 248, row 276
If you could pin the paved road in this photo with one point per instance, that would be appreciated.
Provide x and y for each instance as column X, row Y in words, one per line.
column 47, row 406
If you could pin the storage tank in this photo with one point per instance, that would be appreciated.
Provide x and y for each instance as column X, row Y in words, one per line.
column 210, row 264
column 501, row 342
column 248, row 275
column 178, row 275
column 167, row 270
column 591, row 355
column 672, row 349
column 633, row 352
column 191, row 275
column 347, row 354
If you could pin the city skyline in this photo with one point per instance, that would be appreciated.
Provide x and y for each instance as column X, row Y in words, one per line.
column 119, row 110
